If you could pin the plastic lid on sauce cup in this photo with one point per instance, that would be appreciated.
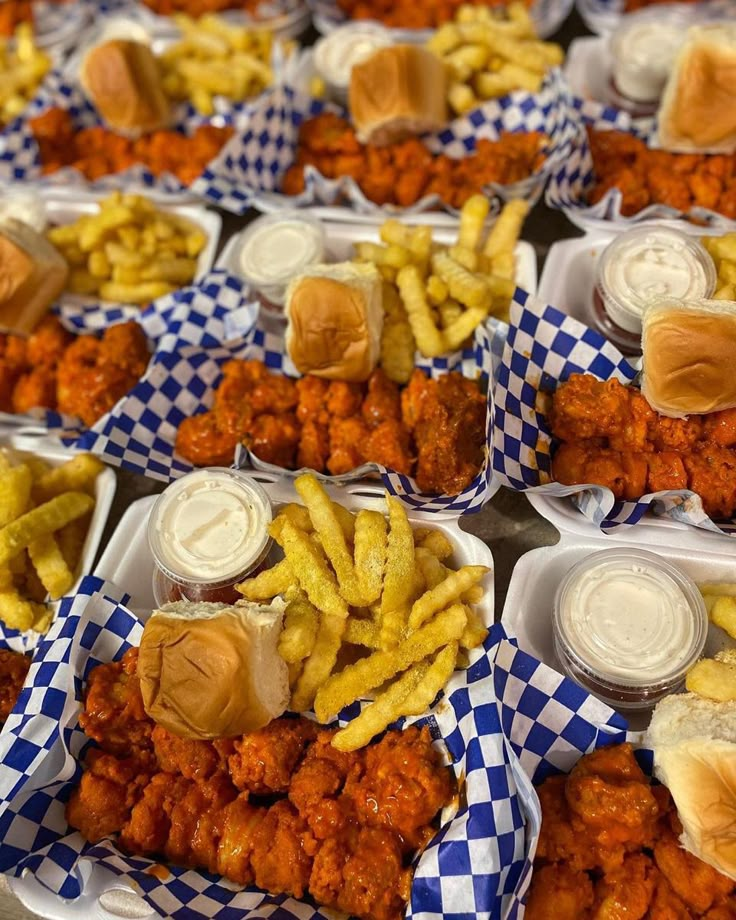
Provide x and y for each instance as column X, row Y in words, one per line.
column 644, row 265
column 337, row 53
column 628, row 626
column 210, row 526
column 275, row 248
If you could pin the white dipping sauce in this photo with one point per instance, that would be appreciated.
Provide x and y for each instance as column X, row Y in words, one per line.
column 336, row 54
column 643, row 56
column 627, row 620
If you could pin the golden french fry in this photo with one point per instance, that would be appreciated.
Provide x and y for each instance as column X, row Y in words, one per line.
column 438, row 544
column 354, row 681
column 311, row 570
column 326, row 524
column 397, row 583
column 506, row 230
column 462, row 327
column 397, row 339
column 298, row 515
column 301, row 622
column 42, row 618
column 15, row 492
column 76, row 475
column 473, row 215
column 445, row 593
column 362, row 632
column 723, row 614
column 44, row 519
column 268, row 583
column 71, row 539
column 319, row 665
column 427, row 335
column 432, row 569
column 475, row 632
column 16, row 612
column 713, row 679
column 135, row 293
column 346, row 520
column 370, row 553
column 52, row 569
column 473, row 595
column 470, row 289
column 719, row 590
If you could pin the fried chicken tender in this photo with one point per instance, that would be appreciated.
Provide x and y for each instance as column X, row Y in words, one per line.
column 559, row 893
column 720, row 428
column 109, row 789
column 695, row 882
column 665, row 904
column 200, row 441
column 382, row 402
column 196, row 823
column 583, row 407
column 239, row 820
column 47, row 343
column 625, row 892
column 711, row 473
column 149, row 825
column 197, row 760
column 348, row 439
column 283, row 850
column 35, row 390
column 388, row 444
column 362, row 874
column 314, row 446
column 232, row 409
column 274, row 439
column 113, row 712
column 13, row 669
column 264, row 760
column 401, row 788
column 343, row 399
column 312, row 404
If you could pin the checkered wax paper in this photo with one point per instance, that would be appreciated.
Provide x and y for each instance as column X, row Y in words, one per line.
column 548, row 16
column 544, row 347
column 140, row 432
column 250, row 169
column 470, row 869
column 20, row 159
column 572, row 180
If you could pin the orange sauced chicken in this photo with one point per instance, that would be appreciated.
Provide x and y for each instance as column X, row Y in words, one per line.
column 404, row 172
column 408, row 14
column 434, row 429
column 631, row 6
column 280, row 808
column 83, row 376
column 98, row 152
column 13, row 669
column 644, row 176
column 608, row 849
column 612, row 437
column 198, row 8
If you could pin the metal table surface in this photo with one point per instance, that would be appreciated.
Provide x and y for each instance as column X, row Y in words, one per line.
column 508, row 524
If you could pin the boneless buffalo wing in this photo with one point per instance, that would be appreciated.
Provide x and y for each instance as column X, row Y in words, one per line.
column 645, row 176
column 608, row 848
column 280, row 808
column 408, row 14
column 83, row 376
column 434, row 429
column 404, row 172
column 13, row 669
column 612, row 437
column 98, row 152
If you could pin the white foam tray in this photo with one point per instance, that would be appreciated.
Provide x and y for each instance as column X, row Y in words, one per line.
column 527, row 613
column 341, row 237
column 58, row 25
column 127, row 562
column 50, row 450
column 588, row 68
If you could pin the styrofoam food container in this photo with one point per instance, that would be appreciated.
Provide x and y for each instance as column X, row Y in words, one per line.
column 65, row 209
column 527, row 612
column 58, row 25
column 53, row 452
column 127, row 561
column 341, row 237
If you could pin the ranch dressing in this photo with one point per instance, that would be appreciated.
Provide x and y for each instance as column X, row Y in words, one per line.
column 336, row 54
column 643, row 55
column 209, row 528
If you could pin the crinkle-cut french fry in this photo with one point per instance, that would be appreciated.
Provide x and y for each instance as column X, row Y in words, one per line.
column 354, row 681
column 15, row 492
column 713, row 679
column 397, row 583
column 475, row 632
column 445, row 593
column 438, row 544
column 267, row 584
column 71, row 539
column 311, row 569
column 468, row 288
column 723, row 614
column 298, row 515
column 46, row 518
column 55, row 574
column 301, row 622
column 370, row 553
column 76, row 475
column 507, row 228
column 16, row 612
column 319, row 665
column 326, row 524
column 362, row 632
column 427, row 335
column 462, row 326
column 472, row 218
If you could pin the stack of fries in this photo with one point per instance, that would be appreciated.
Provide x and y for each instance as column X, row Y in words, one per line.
column 214, row 58
column 22, row 67
column 488, row 57
column 434, row 295
column 722, row 249
column 378, row 587
column 130, row 252
column 44, row 517
column 715, row 678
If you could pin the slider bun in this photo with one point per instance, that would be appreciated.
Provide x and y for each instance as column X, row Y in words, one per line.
column 335, row 320
column 122, row 79
column 688, row 357
column 698, row 108
column 397, row 92
column 213, row 671
column 694, row 743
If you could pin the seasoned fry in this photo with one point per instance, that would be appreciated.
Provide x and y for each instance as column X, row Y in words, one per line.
column 312, row 572
column 397, row 583
column 268, row 583
column 76, row 475
column 445, row 593
column 16, row 612
column 42, row 520
column 427, row 335
column 298, row 515
column 723, row 614
column 56, row 576
column 438, row 544
column 472, row 217
column 354, row 681
column 319, row 665
column 475, row 632
column 370, row 553
column 301, row 622
column 507, row 228
column 71, row 539
column 713, row 679
column 362, row 632
column 15, row 492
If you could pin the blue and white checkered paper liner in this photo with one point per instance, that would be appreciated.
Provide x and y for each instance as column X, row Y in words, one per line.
column 468, row 869
column 548, row 16
column 140, row 432
column 19, row 154
column 544, row 347
column 250, row 169
column 574, row 177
